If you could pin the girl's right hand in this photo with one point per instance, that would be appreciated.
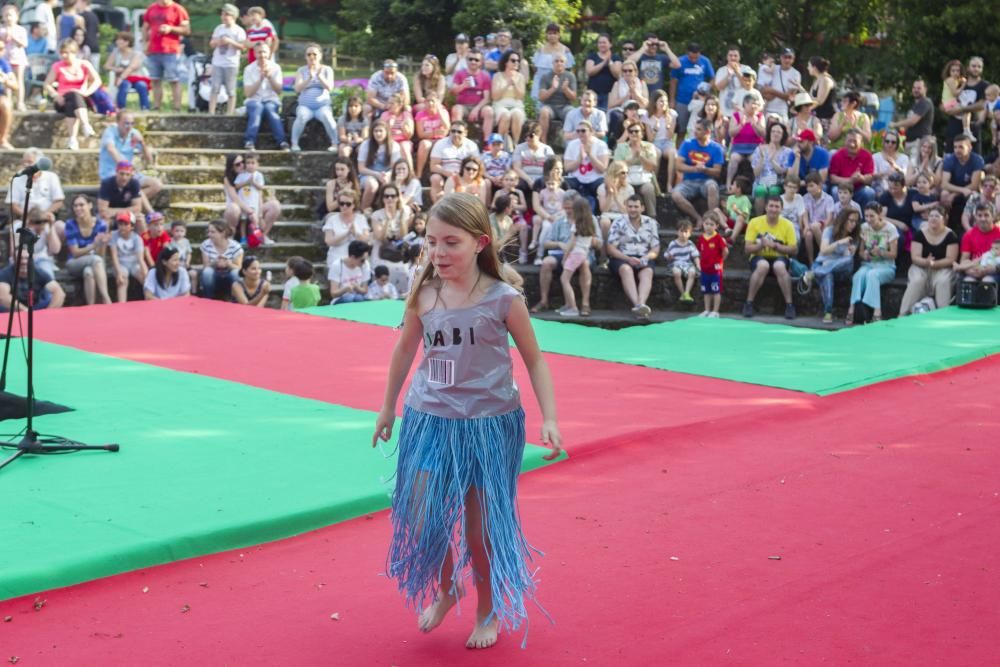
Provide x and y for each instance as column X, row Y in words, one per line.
column 383, row 426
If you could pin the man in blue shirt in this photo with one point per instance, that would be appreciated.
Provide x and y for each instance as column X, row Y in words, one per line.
column 961, row 175
column 692, row 69
column 806, row 156
column 121, row 142
column 38, row 43
column 653, row 65
column 700, row 160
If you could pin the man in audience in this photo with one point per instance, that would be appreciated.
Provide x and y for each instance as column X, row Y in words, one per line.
column 557, row 91
column 262, row 85
column 700, row 159
column 919, row 122
column 121, row 193
column 807, row 157
column 587, row 111
column 471, row 89
column 585, row 160
column 633, row 246
column 977, row 242
column 770, row 241
column 854, row 166
column 971, row 100
column 120, row 143
column 383, row 85
column 447, row 156
column 779, row 84
column 163, row 25
column 48, row 292
column 961, row 174
column 46, row 193
column 655, row 62
column 502, row 46
column 988, row 194
column 691, row 69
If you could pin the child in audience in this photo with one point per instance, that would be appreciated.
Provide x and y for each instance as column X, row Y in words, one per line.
column 381, row 288
column 259, row 30
column 738, row 205
column 712, row 252
column 127, row 255
column 418, row 229
column 793, row 209
column 291, row 281
column 681, row 256
column 179, row 239
column 518, row 207
column 416, row 256
column 845, row 199
column 922, row 201
column 155, row 238
column 502, row 219
column 991, row 258
column 548, row 206
column 228, row 43
column 577, row 253
column 496, row 161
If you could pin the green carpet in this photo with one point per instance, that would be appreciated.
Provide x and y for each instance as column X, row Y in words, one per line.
column 801, row 359
column 205, row 465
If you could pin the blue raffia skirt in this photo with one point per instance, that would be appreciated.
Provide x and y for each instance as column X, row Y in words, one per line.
column 440, row 461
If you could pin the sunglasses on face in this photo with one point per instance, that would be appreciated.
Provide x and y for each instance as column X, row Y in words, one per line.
column 347, row 204
column 387, row 196
column 472, row 168
column 891, row 141
column 628, row 48
column 473, row 60
column 582, row 131
column 634, row 131
column 457, row 132
column 514, row 60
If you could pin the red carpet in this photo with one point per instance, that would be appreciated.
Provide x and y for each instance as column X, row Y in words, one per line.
column 346, row 363
column 882, row 504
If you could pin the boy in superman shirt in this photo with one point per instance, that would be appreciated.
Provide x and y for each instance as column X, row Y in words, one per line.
column 712, row 249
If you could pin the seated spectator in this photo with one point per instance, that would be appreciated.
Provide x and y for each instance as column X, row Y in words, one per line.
column 411, row 191
column 471, row 178
column 586, row 159
column 70, row 83
column 250, row 191
column 552, row 246
column 529, row 157
column 739, row 208
column 633, row 245
column 128, row 70
column 155, row 238
column 897, row 205
column 349, row 275
column 793, row 209
column 343, row 226
column 455, row 61
column 577, row 254
column 630, row 88
column 544, row 59
column 770, row 164
column 313, row 83
column 642, row 160
column 471, row 88
column 38, row 43
column 262, row 84
column 168, row 278
column 976, row 243
column 432, row 124
column 390, row 224
column 43, row 291
column 879, row 244
column 612, row 196
column 342, row 177
column 557, row 93
column 589, row 111
column 493, row 56
column 770, row 241
column 933, row 253
column 507, row 92
column 47, row 246
column 87, row 240
column 697, row 104
column 496, row 161
column 803, row 119
column 889, row 161
column 713, row 113
column 835, row 259
column 121, row 142
column 806, row 157
column 122, row 193
column 375, row 159
column 518, row 207
column 747, row 130
column 427, row 80
column 603, row 69
column 46, row 193
column 548, row 208
column 221, row 260
column 228, row 43
column 850, row 117
column 251, row 289
column 961, row 174
column 988, row 194
column 382, row 85
column 660, row 125
column 447, row 156
column 380, row 288
column 926, row 162
column 502, row 222
column 682, row 258
column 299, row 291
column 852, row 165
column 400, row 122
column 701, row 164
column 179, row 240
column 923, row 199
column 128, row 255
column 748, row 85
column 352, row 128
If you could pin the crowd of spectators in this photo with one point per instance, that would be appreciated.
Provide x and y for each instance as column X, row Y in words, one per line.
column 576, row 155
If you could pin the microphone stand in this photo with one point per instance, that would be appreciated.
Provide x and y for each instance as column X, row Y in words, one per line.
column 32, row 442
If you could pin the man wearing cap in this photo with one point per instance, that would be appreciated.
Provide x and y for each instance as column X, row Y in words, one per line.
column 120, row 143
column 471, row 89
column 47, row 292
column 854, row 166
column 806, row 157
column 121, row 193
column 383, row 85
column 655, row 61
column 456, row 60
column 919, row 122
column 494, row 54
column 589, row 112
column 727, row 81
column 46, row 192
column 47, row 246
column 700, row 160
column 692, row 68
column 163, row 25
column 447, row 156
column 779, row 83
column 557, row 91
column 585, row 160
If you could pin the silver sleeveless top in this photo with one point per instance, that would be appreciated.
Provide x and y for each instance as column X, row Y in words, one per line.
column 467, row 371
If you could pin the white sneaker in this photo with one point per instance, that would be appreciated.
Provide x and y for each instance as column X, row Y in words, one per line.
column 705, row 314
column 268, row 240
column 568, row 312
column 522, row 257
column 538, row 261
column 644, row 310
column 88, row 130
column 73, row 145
column 713, row 315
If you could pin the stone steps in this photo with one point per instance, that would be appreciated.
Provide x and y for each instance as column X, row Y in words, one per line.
column 205, row 211
column 212, row 193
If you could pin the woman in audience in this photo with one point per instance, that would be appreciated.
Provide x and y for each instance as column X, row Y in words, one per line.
column 933, row 253
column 470, row 178
column 87, row 240
column 879, row 244
column 313, row 83
column 542, row 60
column 432, row 124
column 660, row 124
column 528, row 158
column 390, row 224
column 70, row 82
column 508, row 97
column 612, row 195
column 128, row 69
column 642, row 159
column 400, row 122
column 770, row 163
column 823, row 91
column 836, row 257
column 889, row 161
column 628, row 88
column 850, row 117
column 167, row 279
column 346, row 224
column 897, row 205
column 352, row 128
column 221, row 259
column 375, row 159
column 411, row 191
column 747, row 130
column 428, row 79
column 803, row 118
column 342, row 177
column 712, row 112
column 251, row 289
column 927, row 162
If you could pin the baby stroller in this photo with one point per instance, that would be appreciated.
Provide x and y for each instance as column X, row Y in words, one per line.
column 200, row 83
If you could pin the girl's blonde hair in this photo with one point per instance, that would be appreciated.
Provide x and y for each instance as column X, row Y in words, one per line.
column 615, row 169
column 468, row 213
column 583, row 217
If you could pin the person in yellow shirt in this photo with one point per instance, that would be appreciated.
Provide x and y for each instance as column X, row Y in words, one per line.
column 770, row 241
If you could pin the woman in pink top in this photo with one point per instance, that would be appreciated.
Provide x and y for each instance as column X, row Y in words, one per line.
column 69, row 83
column 432, row 123
column 400, row 122
column 747, row 130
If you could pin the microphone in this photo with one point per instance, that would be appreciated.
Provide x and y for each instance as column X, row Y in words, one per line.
column 42, row 164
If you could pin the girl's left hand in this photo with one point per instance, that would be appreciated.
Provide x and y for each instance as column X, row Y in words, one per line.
column 552, row 439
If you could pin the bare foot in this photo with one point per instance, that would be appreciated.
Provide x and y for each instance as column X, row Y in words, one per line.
column 431, row 617
column 483, row 636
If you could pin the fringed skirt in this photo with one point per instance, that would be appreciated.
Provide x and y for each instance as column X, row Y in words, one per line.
column 441, row 461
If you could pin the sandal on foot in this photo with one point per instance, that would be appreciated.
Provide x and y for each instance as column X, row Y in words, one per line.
column 849, row 320
column 585, row 311
column 540, row 307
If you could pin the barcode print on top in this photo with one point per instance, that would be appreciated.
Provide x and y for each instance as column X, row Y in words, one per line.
column 441, row 371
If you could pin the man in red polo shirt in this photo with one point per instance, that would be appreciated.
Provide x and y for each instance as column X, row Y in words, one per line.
column 854, row 166
column 163, row 25
column 975, row 243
